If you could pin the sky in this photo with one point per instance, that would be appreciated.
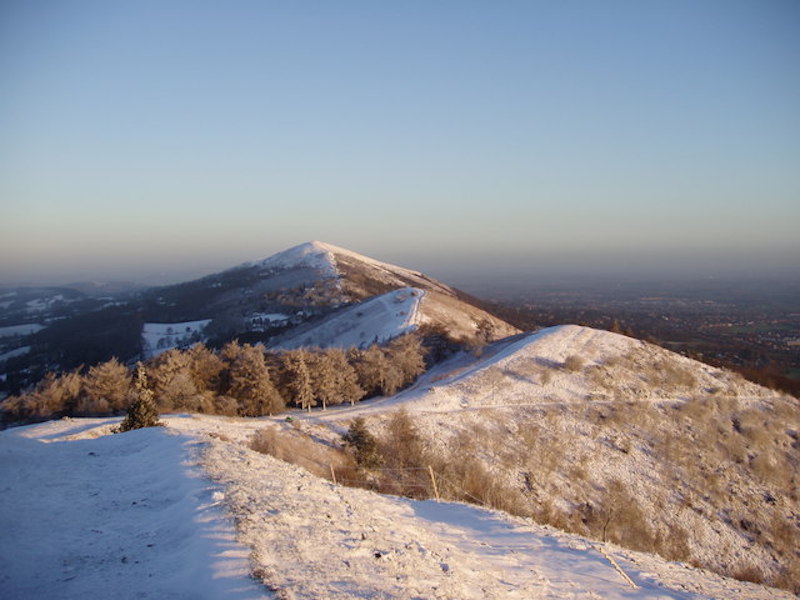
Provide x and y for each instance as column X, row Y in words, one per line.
column 159, row 141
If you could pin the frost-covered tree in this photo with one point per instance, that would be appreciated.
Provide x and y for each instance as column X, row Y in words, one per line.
column 142, row 412
column 54, row 395
column 57, row 394
column 372, row 368
column 206, row 368
column 323, row 378
column 408, row 356
column 346, row 378
column 248, row 380
column 105, row 389
column 299, row 382
column 171, row 377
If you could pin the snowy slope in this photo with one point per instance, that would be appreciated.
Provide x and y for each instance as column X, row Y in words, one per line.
column 312, row 255
column 332, row 261
column 563, row 415
column 20, row 330
column 131, row 516
column 533, row 369
column 376, row 320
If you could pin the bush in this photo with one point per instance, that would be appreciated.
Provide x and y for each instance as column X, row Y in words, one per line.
column 363, row 444
column 143, row 411
column 296, row 448
column 574, row 363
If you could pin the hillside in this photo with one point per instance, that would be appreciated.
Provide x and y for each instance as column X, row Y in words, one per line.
column 613, row 438
column 187, row 510
column 372, row 321
column 313, row 287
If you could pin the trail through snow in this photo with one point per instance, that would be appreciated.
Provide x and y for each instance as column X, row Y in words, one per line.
column 122, row 516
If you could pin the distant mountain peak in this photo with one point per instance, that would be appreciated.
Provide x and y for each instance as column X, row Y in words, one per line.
column 314, row 255
column 335, row 262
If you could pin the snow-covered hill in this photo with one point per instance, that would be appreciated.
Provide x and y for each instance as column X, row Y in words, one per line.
column 362, row 279
column 358, row 271
column 257, row 302
column 186, row 510
column 572, row 421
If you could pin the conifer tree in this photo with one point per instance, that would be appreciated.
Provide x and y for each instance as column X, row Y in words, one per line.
column 55, row 394
column 346, row 378
column 205, row 367
column 372, row 368
column 172, row 381
column 143, row 411
column 105, row 388
column 364, row 445
column 323, row 378
column 248, row 380
column 408, row 356
column 299, row 378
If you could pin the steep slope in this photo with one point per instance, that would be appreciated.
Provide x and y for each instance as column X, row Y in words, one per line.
column 614, row 438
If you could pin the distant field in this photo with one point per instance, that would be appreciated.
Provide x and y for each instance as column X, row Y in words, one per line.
column 692, row 342
column 765, row 328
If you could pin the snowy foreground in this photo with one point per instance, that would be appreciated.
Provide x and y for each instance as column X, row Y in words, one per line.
column 189, row 511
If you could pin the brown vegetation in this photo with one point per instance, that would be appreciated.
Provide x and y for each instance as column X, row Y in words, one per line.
column 710, row 458
column 239, row 380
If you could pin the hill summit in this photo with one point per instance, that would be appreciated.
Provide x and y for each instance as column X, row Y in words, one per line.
column 318, row 294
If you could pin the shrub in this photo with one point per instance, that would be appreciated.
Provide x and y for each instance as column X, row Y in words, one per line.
column 143, row 412
column 296, row 448
column 363, row 444
column 574, row 363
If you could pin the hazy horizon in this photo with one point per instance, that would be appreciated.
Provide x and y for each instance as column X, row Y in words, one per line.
column 161, row 143
column 472, row 271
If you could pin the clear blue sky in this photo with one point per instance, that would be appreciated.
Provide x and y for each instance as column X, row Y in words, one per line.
column 165, row 140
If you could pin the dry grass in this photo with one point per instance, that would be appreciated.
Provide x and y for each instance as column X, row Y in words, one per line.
column 293, row 446
column 706, row 457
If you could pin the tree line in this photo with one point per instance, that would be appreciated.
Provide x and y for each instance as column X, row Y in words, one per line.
column 237, row 380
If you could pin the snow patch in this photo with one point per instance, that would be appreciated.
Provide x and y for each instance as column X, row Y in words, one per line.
column 14, row 353
column 25, row 329
column 373, row 321
column 160, row 337
column 312, row 255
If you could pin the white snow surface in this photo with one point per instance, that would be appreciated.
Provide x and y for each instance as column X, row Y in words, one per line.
column 121, row 516
column 376, row 320
column 14, row 353
column 312, row 255
column 322, row 257
column 25, row 329
column 160, row 337
column 150, row 513
column 510, row 373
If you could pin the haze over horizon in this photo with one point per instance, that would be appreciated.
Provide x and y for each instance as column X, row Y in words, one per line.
column 159, row 143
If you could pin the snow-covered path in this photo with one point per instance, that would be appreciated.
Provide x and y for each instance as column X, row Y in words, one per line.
column 120, row 516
